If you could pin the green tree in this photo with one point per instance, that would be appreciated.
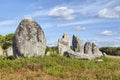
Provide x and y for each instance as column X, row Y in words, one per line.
column 6, row 41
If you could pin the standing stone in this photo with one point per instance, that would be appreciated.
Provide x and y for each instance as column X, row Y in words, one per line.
column 64, row 44
column 29, row 39
column 88, row 48
column 9, row 51
column 1, row 51
column 96, row 51
column 77, row 44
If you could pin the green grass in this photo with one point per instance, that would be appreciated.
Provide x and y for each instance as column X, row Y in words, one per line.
column 60, row 67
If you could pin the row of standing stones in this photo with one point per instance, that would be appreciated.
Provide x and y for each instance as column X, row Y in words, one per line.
column 29, row 40
column 80, row 51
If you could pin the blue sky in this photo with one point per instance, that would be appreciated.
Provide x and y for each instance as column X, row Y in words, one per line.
column 97, row 21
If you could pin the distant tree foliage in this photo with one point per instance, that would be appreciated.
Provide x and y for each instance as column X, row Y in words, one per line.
column 111, row 50
column 93, row 45
column 51, row 49
column 6, row 41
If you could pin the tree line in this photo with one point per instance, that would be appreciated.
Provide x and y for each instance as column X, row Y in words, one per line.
column 111, row 50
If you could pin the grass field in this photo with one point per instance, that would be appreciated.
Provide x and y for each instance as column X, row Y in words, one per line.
column 57, row 67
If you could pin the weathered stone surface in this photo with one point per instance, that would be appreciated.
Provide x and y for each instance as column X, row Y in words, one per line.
column 96, row 51
column 64, row 44
column 73, row 54
column 88, row 48
column 1, row 51
column 29, row 39
column 104, row 54
column 89, row 51
column 9, row 51
column 77, row 44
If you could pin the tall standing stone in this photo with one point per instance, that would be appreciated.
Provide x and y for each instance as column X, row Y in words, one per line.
column 1, row 51
column 88, row 48
column 29, row 39
column 77, row 44
column 64, row 44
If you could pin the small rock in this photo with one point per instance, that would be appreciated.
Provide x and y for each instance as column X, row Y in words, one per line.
column 104, row 54
column 48, row 53
column 98, row 60
column 9, row 51
column 1, row 51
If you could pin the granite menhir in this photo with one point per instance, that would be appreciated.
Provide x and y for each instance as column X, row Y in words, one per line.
column 29, row 39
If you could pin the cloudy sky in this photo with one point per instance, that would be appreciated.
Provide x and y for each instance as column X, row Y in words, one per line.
column 91, row 20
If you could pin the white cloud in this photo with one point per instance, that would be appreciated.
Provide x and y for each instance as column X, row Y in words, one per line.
column 92, row 6
column 62, row 13
column 117, row 8
column 106, row 33
column 78, row 28
column 73, row 23
column 7, row 22
column 107, row 13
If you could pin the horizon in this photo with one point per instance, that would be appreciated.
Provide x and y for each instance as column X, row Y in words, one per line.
column 95, row 21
